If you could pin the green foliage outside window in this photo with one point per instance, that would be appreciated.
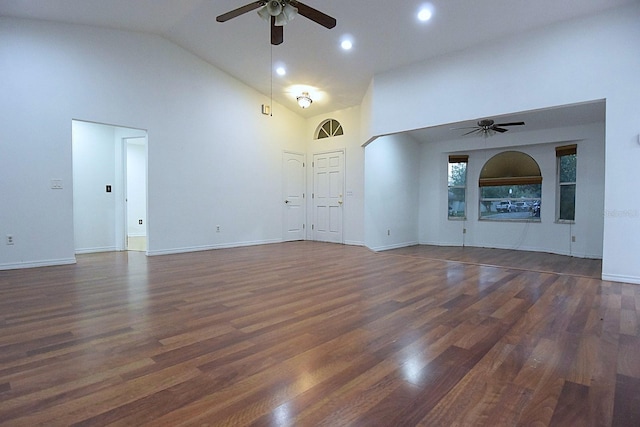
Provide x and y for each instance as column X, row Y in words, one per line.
column 457, row 187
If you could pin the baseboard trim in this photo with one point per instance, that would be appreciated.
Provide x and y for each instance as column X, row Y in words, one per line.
column 521, row 248
column 36, row 264
column 211, row 247
column 394, row 246
column 621, row 278
column 96, row 250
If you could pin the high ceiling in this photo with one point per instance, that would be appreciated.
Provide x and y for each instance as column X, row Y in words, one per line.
column 386, row 35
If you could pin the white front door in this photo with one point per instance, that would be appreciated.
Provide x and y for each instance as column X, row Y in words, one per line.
column 294, row 200
column 328, row 189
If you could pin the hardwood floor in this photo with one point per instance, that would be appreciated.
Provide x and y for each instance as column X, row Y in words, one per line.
column 313, row 334
column 537, row 261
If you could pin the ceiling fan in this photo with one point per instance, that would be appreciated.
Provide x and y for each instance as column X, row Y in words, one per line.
column 279, row 12
column 487, row 127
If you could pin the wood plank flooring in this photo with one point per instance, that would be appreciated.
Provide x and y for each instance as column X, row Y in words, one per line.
column 314, row 334
column 538, row 261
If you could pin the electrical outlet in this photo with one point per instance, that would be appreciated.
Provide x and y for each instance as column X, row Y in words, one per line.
column 9, row 239
column 573, row 239
column 388, row 232
column 217, row 228
column 464, row 231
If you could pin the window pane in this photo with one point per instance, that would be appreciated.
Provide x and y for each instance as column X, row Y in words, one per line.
column 457, row 174
column 530, row 191
column 568, row 202
column 456, row 203
column 568, row 168
column 457, row 179
column 510, row 202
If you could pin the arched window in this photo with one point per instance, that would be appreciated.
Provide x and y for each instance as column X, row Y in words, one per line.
column 510, row 187
column 329, row 128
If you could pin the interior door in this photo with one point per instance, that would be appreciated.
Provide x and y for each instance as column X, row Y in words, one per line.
column 328, row 192
column 294, row 197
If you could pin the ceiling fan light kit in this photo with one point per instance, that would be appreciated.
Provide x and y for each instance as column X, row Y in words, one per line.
column 279, row 13
column 282, row 11
column 487, row 127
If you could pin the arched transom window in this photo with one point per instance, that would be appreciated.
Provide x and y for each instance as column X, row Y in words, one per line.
column 329, row 128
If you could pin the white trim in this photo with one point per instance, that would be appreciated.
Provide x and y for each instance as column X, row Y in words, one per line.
column 519, row 248
column 35, row 264
column 96, row 250
column 620, row 278
column 136, row 235
column 211, row 247
column 394, row 246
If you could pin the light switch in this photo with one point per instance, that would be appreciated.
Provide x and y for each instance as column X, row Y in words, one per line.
column 108, row 189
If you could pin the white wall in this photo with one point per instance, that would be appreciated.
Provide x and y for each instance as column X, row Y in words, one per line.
column 546, row 235
column 213, row 158
column 350, row 142
column 575, row 61
column 392, row 188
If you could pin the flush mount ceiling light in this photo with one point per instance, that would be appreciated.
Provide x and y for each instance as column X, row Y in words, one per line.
column 304, row 100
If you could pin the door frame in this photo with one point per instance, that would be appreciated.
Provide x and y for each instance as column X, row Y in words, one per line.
column 304, row 193
column 124, row 199
column 121, row 135
column 313, row 188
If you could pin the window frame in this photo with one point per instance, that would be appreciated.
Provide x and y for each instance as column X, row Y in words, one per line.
column 510, row 168
column 457, row 159
column 563, row 151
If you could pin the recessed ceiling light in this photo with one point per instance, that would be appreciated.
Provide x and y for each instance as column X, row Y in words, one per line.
column 346, row 44
column 425, row 14
column 281, row 71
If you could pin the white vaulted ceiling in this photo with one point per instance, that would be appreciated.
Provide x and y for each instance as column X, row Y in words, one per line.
column 386, row 35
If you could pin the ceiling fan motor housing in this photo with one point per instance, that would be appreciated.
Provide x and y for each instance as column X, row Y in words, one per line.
column 485, row 123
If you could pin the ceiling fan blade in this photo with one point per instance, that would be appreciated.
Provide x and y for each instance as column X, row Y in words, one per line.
column 277, row 32
column 471, row 131
column 315, row 15
column 510, row 124
column 497, row 129
column 465, row 127
column 239, row 11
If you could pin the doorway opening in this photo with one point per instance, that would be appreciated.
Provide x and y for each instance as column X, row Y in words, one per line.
column 109, row 187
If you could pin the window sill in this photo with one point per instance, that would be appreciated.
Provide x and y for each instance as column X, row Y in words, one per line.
column 525, row 220
column 565, row 221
